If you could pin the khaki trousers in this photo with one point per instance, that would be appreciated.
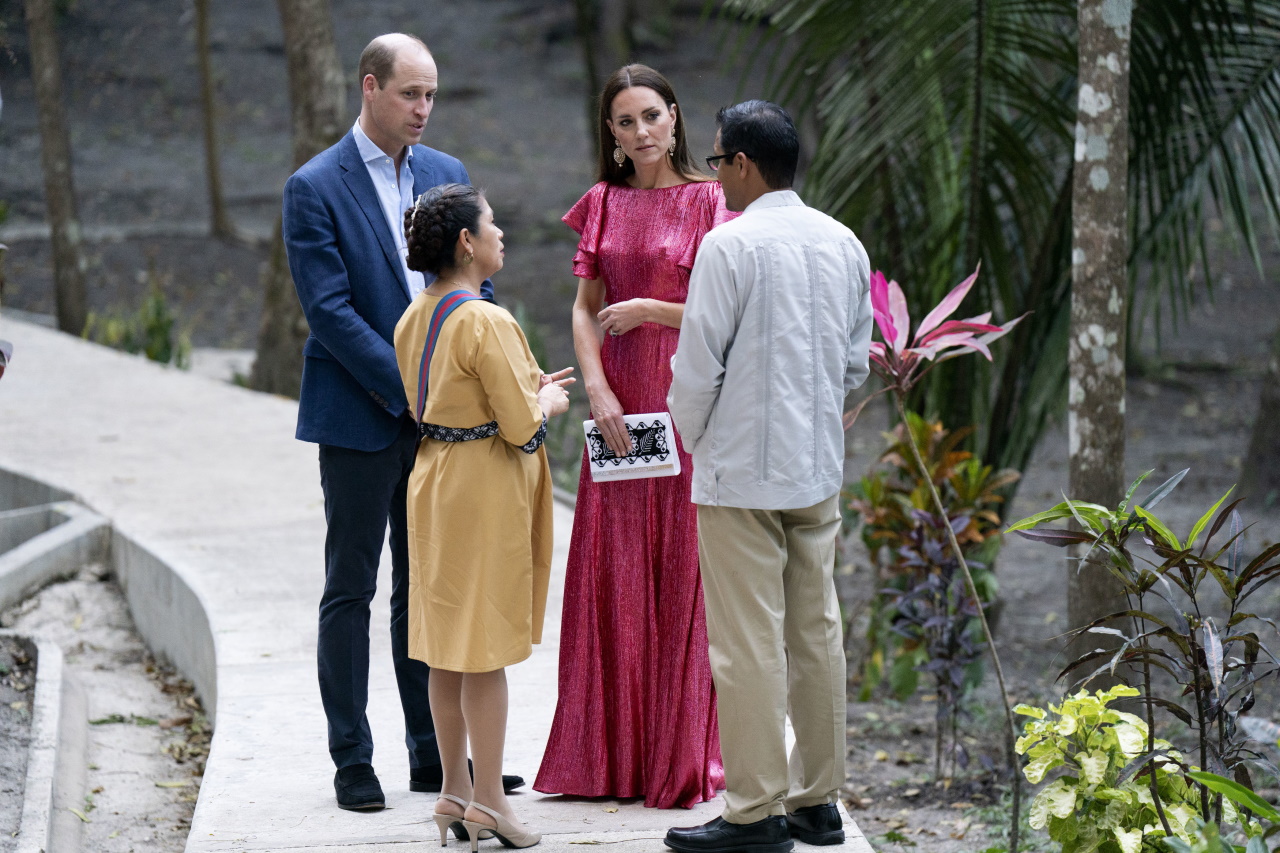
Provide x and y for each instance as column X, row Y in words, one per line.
column 775, row 633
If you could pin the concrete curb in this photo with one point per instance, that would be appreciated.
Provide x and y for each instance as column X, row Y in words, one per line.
column 57, row 539
column 170, row 616
column 71, row 780
column 42, row 756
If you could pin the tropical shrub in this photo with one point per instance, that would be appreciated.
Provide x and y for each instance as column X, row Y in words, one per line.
column 1096, row 801
column 1188, row 624
column 149, row 331
column 900, row 360
column 923, row 618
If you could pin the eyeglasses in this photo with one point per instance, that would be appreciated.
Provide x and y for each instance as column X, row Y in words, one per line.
column 713, row 162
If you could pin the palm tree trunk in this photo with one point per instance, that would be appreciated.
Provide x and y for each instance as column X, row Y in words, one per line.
column 219, row 224
column 1099, row 282
column 55, row 158
column 318, row 104
column 1261, row 475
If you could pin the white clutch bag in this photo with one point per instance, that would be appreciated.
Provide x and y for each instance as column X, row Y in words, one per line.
column 653, row 454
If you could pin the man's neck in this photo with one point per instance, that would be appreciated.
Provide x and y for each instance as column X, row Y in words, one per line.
column 397, row 156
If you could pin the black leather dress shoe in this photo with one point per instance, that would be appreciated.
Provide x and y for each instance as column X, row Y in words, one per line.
column 820, row 824
column 719, row 836
column 427, row 780
column 358, row 789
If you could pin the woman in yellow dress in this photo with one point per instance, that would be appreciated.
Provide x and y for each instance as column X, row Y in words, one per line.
column 479, row 501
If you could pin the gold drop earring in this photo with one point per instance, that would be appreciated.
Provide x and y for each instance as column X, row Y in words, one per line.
column 618, row 156
column 671, row 151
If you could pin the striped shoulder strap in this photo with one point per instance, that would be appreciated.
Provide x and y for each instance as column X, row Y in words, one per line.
column 444, row 308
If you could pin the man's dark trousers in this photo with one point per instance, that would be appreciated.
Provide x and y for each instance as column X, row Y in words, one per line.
column 363, row 491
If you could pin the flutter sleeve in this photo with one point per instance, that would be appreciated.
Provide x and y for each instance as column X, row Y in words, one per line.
column 711, row 213
column 586, row 217
column 510, row 378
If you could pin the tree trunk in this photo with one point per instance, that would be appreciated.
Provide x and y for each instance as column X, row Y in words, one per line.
column 55, row 158
column 605, row 35
column 585, row 18
column 317, row 101
column 1099, row 285
column 1261, row 475
column 615, row 35
column 219, row 224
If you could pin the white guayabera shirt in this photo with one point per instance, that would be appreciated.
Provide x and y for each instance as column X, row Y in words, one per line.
column 775, row 333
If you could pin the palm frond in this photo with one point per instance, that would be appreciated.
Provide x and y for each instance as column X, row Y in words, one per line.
column 939, row 119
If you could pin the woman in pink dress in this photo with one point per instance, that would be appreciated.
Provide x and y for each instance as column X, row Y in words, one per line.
column 637, row 712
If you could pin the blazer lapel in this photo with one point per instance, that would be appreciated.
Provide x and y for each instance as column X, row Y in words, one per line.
column 360, row 184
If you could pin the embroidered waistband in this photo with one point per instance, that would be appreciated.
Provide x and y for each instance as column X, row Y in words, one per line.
column 444, row 433
column 489, row 430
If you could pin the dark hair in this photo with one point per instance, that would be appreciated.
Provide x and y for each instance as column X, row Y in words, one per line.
column 766, row 134
column 379, row 58
column 433, row 224
column 607, row 169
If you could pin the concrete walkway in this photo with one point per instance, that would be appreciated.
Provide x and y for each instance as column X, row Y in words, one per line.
column 207, row 479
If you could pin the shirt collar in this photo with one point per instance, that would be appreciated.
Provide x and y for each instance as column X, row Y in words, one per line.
column 369, row 150
column 777, row 198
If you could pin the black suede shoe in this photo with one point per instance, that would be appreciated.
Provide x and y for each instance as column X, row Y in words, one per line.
column 820, row 824
column 427, row 780
column 719, row 836
column 358, row 789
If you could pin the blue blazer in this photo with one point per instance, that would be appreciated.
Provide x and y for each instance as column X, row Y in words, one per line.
column 352, row 287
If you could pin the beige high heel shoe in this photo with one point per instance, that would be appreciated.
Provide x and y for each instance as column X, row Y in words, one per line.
column 506, row 833
column 445, row 822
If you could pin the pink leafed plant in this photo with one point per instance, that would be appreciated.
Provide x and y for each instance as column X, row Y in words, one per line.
column 900, row 359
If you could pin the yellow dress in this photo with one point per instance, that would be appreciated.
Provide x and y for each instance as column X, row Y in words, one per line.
column 479, row 511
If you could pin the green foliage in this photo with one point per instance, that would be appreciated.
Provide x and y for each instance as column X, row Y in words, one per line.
column 924, row 619
column 148, row 331
column 1188, row 619
column 1098, row 801
column 946, row 137
column 894, row 505
column 1207, row 838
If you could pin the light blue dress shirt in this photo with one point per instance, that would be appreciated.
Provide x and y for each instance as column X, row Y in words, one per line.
column 395, row 197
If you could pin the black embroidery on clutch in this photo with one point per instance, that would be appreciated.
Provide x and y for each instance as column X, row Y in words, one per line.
column 538, row 437
column 649, row 441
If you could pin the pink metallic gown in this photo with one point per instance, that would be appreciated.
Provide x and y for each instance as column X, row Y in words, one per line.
column 637, row 709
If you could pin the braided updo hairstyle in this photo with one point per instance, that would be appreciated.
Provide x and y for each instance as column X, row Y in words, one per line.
column 432, row 225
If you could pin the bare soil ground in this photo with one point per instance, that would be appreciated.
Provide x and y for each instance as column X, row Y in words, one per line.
column 512, row 107
column 148, row 736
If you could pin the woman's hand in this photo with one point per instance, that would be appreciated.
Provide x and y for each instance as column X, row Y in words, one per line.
column 548, row 378
column 622, row 317
column 553, row 398
column 607, row 412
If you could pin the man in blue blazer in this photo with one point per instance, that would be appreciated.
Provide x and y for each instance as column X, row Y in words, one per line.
column 344, row 234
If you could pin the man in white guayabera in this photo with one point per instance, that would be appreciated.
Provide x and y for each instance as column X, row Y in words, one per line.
column 776, row 332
